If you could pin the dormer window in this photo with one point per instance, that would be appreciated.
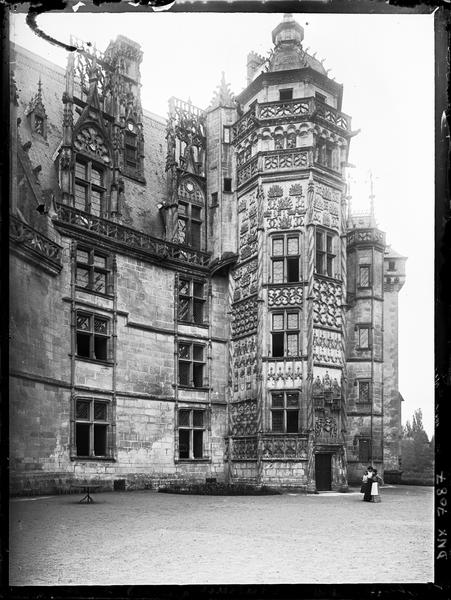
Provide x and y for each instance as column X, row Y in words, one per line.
column 391, row 265
column 39, row 125
column 36, row 114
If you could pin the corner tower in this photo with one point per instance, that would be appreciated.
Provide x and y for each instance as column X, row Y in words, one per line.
column 287, row 372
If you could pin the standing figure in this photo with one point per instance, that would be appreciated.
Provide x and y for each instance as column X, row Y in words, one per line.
column 367, row 483
column 376, row 480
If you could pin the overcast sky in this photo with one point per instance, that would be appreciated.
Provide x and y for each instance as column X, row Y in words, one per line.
column 385, row 63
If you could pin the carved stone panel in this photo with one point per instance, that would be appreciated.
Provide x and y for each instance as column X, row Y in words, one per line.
column 285, row 206
column 278, row 447
column 286, row 296
column 326, row 206
column 244, row 359
column 247, row 207
column 243, row 416
column 327, row 303
column 281, row 374
column 244, row 317
column 327, row 347
column 245, row 280
column 244, row 448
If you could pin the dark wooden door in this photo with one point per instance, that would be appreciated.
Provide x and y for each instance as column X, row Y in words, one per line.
column 323, row 472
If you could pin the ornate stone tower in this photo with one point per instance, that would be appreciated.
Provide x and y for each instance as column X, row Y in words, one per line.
column 287, row 289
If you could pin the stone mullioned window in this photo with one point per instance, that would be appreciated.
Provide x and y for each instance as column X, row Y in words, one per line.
column 93, row 271
column 191, row 433
column 92, row 336
column 92, row 428
column 191, row 364
column 285, row 412
column 284, row 333
column 191, row 301
column 285, row 257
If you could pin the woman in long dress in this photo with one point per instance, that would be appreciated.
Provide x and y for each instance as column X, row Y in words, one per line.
column 366, row 485
column 376, row 480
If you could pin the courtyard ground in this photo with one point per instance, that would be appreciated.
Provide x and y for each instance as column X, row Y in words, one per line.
column 147, row 538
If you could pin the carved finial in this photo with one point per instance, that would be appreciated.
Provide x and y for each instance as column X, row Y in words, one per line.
column 222, row 95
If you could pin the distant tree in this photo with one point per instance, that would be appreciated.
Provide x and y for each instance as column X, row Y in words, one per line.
column 416, row 450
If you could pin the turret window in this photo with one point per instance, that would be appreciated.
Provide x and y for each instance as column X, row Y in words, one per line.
column 131, row 149
column 325, row 254
column 285, row 333
column 364, row 276
column 285, row 412
column 285, row 259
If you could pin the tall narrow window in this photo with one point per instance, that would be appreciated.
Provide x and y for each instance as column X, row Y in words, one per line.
column 285, row 259
column 191, row 300
column 285, row 333
column 92, row 336
column 364, row 450
column 92, row 270
column 364, row 337
column 365, row 276
column 226, row 134
column 189, row 224
column 130, row 149
column 364, row 395
column 227, row 184
column 191, row 364
column 285, row 412
column 191, row 429
column 89, row 187
column 325, row 254
column 92, row 427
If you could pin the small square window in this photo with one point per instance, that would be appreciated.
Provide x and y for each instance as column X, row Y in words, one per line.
column 227, row 184
column 286, row 94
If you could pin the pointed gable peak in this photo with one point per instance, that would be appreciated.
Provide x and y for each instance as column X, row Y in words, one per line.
column 222, row 96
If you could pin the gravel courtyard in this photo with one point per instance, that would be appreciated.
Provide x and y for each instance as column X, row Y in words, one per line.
column 147, row 538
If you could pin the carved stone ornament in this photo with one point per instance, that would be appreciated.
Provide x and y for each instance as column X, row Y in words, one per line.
column 327, row 303
column 243, row 417
column 287, row 296
column 90, row 141
column 244, row 317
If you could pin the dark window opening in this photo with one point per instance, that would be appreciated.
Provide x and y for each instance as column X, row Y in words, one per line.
column 92, row 336
column 364, row 392
column 292, row 270
column 285, row 259
column 184, row 435
column 277, row 344
column 286, row 94
column 227, row 184
column 391, row 265
column 285, row 412
column 191, row 364
column 198, row 444
column 214, row 199
column 191, row 433
column 324, row 253
column 89, row 187
column 285, row 333
column 191, row 301
column 364, row 450
column 82, row 439
column 91, row 428
column 292, row 421
column 83, row 340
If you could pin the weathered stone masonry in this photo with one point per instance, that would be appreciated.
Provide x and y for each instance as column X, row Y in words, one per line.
column 189, row 297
